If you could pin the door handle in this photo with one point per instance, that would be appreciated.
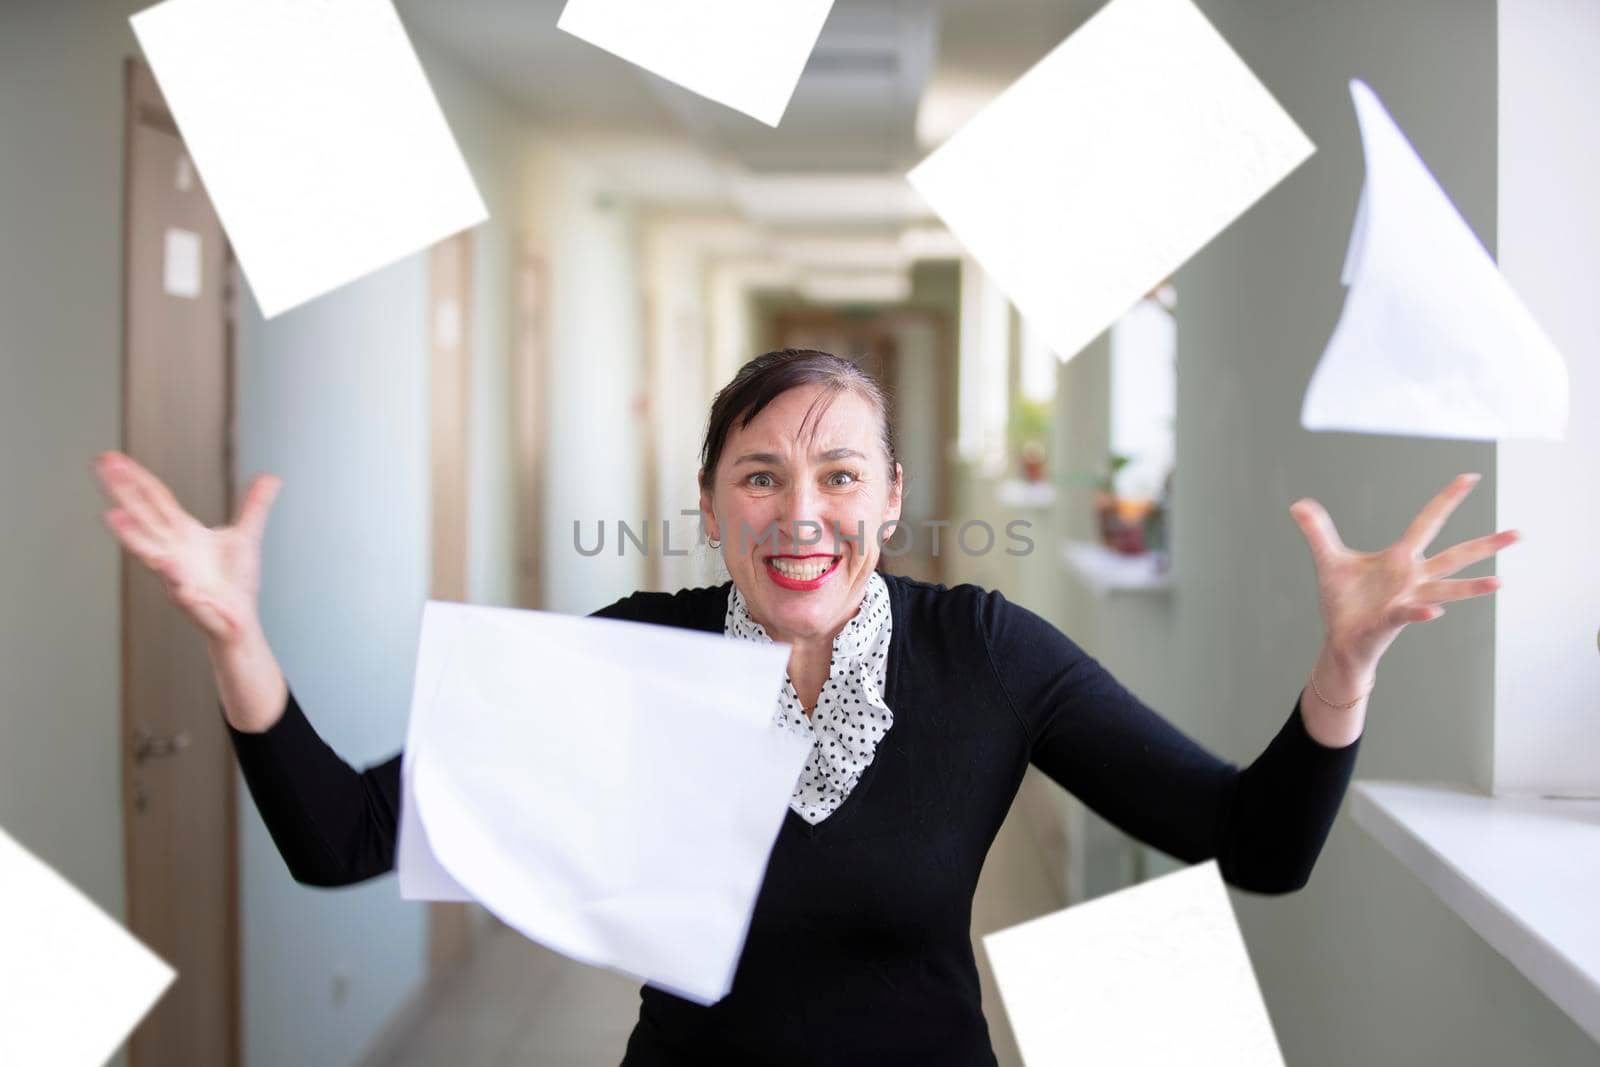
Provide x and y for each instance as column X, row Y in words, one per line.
column 148, row 746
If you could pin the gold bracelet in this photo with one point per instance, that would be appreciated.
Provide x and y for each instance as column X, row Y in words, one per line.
column 1331, row 704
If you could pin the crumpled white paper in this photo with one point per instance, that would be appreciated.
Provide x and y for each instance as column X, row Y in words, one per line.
column 611, row 789
column 1432, row 340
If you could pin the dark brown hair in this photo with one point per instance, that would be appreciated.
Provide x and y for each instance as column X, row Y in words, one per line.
column 771, row 374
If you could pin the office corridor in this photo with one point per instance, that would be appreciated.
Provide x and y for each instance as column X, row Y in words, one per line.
column 517, row 1004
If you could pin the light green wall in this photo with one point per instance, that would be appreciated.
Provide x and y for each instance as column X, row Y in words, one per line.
column 1364, row 966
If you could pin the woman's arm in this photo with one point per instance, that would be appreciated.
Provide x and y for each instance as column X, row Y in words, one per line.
column 335, row 825
column 332, row 824
column 1265, row 825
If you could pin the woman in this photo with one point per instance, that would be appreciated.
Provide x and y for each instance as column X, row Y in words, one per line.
column 926, row 705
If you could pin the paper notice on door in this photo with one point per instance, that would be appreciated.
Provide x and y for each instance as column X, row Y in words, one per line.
column 73, row 982
column 1146, row 977
column 181, row 263
column 1432, row 340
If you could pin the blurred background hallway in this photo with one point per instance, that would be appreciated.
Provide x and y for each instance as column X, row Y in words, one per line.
column 465, row 423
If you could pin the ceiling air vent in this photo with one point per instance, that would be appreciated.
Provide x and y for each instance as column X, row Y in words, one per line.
column 854, row 62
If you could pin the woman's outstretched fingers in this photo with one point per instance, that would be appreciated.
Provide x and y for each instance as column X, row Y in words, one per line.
column 258, row 499
column 134, row 537
column 1467, row 553
column 1442, row 592
column 1317, row 526
column 1418, row 613
column 1431, row 519
column 116, row 477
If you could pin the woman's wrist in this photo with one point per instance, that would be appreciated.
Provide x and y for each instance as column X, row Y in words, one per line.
column 249, row 681
column 1334, row 704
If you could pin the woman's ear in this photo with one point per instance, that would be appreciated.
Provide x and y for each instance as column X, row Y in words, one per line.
column 708, row 521
column 896, row 495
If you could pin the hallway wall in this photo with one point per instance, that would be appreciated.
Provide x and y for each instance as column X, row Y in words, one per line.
column 1364, row 966
column 595, row 441
column 61, row 165
column 333, row 397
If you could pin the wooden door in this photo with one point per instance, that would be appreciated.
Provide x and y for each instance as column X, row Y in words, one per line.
column 178, row 779
column 452, row 927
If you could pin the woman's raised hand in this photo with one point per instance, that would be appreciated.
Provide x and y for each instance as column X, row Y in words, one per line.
column 213, row 574
column 1367, row 598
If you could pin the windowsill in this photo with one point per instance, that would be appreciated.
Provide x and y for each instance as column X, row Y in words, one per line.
column 1524, row 872
column 1015, row 493
column 1106, row 572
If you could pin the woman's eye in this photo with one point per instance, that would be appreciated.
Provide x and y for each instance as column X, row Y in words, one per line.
column 838, row 478
column 762, row 480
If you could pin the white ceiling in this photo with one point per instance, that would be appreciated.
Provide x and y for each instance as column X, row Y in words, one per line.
column 854, row 110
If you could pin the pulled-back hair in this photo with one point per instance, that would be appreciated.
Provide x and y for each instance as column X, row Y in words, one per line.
column 771, row 374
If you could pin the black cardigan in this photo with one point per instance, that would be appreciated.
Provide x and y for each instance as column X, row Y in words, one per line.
column 859, row 951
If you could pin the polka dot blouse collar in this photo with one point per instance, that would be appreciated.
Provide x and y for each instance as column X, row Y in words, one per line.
column 850, row 717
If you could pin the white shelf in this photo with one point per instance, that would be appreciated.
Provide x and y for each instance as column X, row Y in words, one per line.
column 1013, row 493
column 1106, row 572
column 1524, row 872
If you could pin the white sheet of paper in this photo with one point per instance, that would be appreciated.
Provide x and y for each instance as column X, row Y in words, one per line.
column 746, row 54
column 1432, row 340
column 73, row 982
column 611, row 789
column 1150, row 976
column 1108, row 164
column 314, row 129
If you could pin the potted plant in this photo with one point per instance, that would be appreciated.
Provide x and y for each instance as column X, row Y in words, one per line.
column 1030, row 432
column 1121, row 520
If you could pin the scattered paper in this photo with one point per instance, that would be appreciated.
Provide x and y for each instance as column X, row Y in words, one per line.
column 611, row 789
column 1150, row 976
column 1432, row 340
column 73, row 982
column 1108, row 164
column 746, row 54
column 313, row 127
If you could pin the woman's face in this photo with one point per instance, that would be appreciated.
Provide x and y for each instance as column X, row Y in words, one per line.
column 788, row 499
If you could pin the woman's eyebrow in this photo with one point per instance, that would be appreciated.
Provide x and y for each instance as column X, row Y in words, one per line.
column 770, row 458
column 774, row 460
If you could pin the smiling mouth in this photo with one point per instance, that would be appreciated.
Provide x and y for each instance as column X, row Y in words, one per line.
column 801, row 572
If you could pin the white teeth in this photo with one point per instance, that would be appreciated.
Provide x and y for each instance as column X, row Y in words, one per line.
column 806, row 571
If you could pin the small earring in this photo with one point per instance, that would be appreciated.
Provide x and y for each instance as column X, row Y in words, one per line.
column 714, row 543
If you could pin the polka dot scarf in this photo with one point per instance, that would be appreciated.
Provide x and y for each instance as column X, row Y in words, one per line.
column 850, row 717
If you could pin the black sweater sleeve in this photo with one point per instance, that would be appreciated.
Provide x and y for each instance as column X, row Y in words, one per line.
column 335, row 825
column 332, row 824
column 1265, row 824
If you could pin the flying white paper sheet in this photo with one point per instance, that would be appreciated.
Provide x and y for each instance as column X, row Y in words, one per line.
column 611, row 789
column 1432, row 340
column 746, row 54
column 1108, row 164
column 313, row 127
column 1150, row 976
column 73, row 983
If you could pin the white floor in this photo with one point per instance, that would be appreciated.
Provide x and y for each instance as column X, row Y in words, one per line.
column 520, row 1005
